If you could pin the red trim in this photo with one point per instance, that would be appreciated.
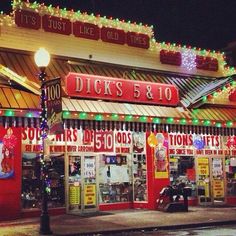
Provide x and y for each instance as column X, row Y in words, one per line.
column 231, row 200
column 143, row 205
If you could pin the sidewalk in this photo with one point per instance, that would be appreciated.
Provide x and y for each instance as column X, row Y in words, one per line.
column 120, row 221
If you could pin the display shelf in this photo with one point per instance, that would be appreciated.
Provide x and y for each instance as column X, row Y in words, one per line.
column 116, row 192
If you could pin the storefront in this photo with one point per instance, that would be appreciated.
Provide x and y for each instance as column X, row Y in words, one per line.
column 134, row 122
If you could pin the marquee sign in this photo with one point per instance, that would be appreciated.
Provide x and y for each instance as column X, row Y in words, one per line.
column 59, row 25
column 107, row 88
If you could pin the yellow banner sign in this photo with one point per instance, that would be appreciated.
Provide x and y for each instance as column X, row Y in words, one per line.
column 90, row 194
column 74, row 195
column 218, row 188
column 202, row 166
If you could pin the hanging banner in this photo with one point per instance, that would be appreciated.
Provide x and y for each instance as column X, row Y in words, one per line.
column 161, row 158
column 10, row 139
column 54, row 106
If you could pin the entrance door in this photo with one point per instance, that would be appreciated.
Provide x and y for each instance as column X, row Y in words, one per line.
column 82, row 184
column 210, row 180
column 218, row 180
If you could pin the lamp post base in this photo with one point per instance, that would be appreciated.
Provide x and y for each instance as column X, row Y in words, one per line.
column 45, row 225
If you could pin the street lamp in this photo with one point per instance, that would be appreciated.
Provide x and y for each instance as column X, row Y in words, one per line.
column 42, row 59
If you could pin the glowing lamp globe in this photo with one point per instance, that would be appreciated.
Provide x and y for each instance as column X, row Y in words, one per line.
column 42, row 58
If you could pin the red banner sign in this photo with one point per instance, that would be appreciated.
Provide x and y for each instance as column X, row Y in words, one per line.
column 32, row 20
column 113, row 35
column 107, row 88
column 137, row 40
column 27, row 19
column 206, row 63
column 170, row 57
column 103, row 141
column 86, row 30
column 57, row 25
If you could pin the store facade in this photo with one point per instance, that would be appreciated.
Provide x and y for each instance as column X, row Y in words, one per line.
column 134, row 122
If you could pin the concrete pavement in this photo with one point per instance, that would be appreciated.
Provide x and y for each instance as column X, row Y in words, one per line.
column 111, row 222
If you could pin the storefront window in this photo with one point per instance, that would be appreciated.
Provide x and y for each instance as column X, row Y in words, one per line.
column 230, row 168
column 182, row 171
column 115, row 178
column 31, row 183
column 140, row 178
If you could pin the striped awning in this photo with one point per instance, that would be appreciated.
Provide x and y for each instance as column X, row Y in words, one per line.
column 103, row 107
column 22, row 63
column 18, row 99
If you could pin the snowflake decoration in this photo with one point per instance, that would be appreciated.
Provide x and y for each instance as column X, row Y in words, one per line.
column 189, row 59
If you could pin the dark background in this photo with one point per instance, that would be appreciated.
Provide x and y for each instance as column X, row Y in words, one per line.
column 209, row 24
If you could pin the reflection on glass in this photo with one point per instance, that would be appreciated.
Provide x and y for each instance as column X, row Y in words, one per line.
column 31, row 183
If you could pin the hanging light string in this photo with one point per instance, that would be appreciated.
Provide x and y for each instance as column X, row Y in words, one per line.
column 44, row 129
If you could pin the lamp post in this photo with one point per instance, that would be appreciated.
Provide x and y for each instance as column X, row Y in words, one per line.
column 42, row 59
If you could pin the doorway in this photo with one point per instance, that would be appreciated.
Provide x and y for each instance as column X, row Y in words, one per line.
column 210, row 180
column 81, row 191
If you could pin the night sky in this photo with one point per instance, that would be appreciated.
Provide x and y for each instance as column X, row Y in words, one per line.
column 209, row 24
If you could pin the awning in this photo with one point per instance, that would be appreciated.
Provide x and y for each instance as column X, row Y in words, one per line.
column 23, row 64
column 17, row 99
column 102, row 107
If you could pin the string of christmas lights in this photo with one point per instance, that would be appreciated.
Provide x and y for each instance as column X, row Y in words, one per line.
column 44, row 130
column 119, row 24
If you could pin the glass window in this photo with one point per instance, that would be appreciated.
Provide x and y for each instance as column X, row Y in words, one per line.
column 182, row 171
column 31, row 183
column 230, row 168
column 115, row 179
column 140, row 178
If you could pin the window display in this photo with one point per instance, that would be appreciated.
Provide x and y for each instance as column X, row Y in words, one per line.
column 31, row 183
column 115, row 179
column 230, row 169
column 140, row 178
column 74, row 182
column 182, row 171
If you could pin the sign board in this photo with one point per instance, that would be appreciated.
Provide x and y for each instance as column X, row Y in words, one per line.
column 54, row 106
column 103, row 141
column 123, row 141
column 89, row 168
column 60, row 25
column 218, row 188
column 116, row 89
column 203, row 166
column 90, row 194
column 74, row 193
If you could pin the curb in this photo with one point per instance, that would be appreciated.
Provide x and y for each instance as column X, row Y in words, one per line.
column 153, row 228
